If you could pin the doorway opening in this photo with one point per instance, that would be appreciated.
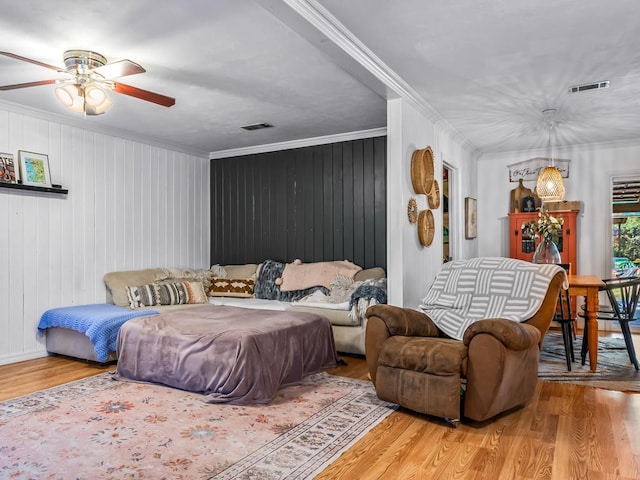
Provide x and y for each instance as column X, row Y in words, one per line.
column 625, row 216
column 625, row 232
column 447, row 236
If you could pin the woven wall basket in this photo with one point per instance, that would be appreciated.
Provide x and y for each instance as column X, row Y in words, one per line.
column 434, row 196
column 422, row 170
column 412, row 211
column 426, row 227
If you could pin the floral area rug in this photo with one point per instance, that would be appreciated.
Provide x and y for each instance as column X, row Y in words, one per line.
column 100, row 428
column 614, row 372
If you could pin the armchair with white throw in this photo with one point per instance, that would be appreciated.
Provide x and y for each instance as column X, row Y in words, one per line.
column 472, row 347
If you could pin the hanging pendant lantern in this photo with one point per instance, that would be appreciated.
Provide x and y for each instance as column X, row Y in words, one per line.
column 550, row 186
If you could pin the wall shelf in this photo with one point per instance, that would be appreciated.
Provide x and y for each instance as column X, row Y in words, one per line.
column 34, row 188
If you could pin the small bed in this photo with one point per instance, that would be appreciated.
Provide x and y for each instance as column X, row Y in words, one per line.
column 86, row 331
column 230, row 354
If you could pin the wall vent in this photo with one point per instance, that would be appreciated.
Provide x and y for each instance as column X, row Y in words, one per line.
column 257, row 126
column 589, row 86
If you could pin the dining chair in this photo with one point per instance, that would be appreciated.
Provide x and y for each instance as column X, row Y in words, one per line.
column 564, row 316
column 622, row 294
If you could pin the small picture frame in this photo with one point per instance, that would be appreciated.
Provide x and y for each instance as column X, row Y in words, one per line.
column 8, row 171
column 470, row 218
column 34, row 168
column 528, row 204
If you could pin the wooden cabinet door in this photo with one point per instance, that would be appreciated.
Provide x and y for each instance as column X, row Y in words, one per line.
column 523, row 247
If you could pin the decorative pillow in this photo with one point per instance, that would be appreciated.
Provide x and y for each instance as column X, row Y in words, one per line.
column 231, row 287
column 142, row 296
column 168, row 293
column 245, row 270
column 267, row 288
column 196, row 292
column 218, row 271
column 374, row 273
column 180, row 274
column 341, row 288
column 300, row 276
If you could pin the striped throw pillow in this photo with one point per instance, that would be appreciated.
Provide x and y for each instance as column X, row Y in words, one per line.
column 166, row 293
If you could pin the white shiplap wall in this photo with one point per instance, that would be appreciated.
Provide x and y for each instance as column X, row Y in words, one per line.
column 591, row 170
column 412, row 267
column 130, row 205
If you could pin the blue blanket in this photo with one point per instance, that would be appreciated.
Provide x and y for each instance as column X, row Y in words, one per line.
column 100, row 322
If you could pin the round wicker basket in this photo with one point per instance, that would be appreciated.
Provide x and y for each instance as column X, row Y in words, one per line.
column 434, row 196
column 426, row 227
column 422, row 170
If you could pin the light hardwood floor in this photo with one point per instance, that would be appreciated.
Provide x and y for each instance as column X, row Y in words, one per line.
column 567, row 432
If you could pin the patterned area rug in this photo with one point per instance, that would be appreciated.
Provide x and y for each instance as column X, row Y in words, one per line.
column 100, row 428
column 615, row 371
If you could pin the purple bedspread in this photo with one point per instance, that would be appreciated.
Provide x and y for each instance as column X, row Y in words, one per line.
column 230, row 354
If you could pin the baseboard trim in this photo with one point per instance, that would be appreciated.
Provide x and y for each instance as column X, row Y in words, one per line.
column 22, row 356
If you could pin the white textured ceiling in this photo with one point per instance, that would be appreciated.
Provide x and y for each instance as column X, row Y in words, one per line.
column 486, row 68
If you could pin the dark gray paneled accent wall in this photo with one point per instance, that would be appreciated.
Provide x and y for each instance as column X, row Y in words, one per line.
column 326, row 202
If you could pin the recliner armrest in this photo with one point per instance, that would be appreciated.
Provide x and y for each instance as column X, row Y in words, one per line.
column 404, row 321
column 384, row 321
column 514, row 335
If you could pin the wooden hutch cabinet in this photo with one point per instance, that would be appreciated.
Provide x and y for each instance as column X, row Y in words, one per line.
column 522, row 247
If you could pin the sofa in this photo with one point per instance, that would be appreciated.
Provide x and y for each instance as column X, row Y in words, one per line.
column 246, row 286
column 349, row 333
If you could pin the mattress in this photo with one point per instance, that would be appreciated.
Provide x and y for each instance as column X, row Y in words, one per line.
column 230, row 354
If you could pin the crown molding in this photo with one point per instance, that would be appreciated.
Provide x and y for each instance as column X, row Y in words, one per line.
column 305, row 142
column 562, row 150
column 82, row 124
column 325, row 22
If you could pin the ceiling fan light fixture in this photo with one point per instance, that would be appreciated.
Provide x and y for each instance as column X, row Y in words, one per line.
column 96, row 100
column 98, row 109
column 70, row 97
column 91, row 76
column 94, row 95
column 89, row 99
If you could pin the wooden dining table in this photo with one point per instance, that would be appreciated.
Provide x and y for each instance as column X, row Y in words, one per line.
column 588, row 286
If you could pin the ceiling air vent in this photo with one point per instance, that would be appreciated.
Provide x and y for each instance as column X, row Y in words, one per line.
column 257, row 126
column 589, row 86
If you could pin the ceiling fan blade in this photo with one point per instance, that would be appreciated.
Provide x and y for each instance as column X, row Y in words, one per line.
column 121, row 68
column 144, row 94
column 29, row 60
column 28, row 84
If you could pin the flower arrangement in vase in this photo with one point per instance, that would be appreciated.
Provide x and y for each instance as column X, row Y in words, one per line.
column 548, row 228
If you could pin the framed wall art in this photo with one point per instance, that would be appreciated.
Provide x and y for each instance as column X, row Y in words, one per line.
column 528, row 204
column 34, row 168
column 470, row 218
column 8, row 171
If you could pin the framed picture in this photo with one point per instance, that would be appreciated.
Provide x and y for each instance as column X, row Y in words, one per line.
column 34, row 168
column 470, row 218
column 8, row 172
column 528, row 204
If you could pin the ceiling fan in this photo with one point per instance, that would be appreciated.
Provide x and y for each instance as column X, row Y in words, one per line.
column 89, row 76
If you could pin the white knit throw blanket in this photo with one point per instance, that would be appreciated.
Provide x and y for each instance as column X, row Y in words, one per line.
column 466, row 291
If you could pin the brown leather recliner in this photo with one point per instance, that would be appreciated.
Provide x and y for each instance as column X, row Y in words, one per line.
column 493, row 369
